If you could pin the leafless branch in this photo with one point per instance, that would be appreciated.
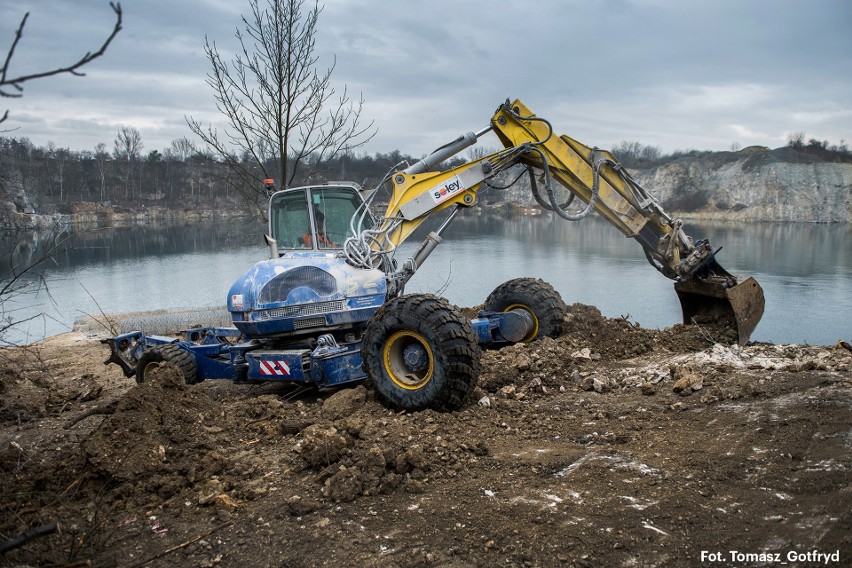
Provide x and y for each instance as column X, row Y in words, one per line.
column 283, row 116
column 107, row 323
column 16, row 82
column 22, row 278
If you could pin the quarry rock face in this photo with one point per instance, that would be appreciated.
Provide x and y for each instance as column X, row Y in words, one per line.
column 748, row 190
column 755, row 185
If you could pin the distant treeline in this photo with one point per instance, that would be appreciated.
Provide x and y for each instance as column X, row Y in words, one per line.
column 180, row 176
column 637, row 155
column 184, row 177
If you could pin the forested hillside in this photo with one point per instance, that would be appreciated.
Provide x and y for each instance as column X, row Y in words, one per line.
column 800, row 182
column 48, row 180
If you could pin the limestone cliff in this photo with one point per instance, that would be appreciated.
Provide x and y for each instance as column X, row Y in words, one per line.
column 756, row 184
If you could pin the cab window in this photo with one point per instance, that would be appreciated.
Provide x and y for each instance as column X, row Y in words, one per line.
column 331, row 209
column 288, row 219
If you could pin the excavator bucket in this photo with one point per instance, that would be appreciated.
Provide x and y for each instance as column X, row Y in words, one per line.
column 735, row 308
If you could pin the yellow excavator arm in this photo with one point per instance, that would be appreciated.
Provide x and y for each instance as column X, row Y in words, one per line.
column 707, row 292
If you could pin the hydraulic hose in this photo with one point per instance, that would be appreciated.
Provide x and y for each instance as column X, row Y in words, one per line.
column 548, row 186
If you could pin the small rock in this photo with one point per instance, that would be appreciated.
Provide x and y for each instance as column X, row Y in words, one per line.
column 485, row 402
column 600, row 385
column 696, row 382
column 522, row 362
column 648, row 389
column 595, row 356
column 226, row 501
column 587, row 383
column 508, row 391
column 584, row 353
column 575, row 376
column 678, row 407
column 212, row 489
column 681, row 387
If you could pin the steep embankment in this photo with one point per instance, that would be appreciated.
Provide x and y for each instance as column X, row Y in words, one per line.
column 755, row 184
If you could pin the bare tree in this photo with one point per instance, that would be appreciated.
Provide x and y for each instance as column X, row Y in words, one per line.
column 284, row 117
column 127, row 146
column 101, row 157
column 61, row 155
column 796, row 139
column 15, row 83
column 183, row 149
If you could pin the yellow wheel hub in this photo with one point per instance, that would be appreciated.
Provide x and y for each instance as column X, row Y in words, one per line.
column 531, row 335
column 408, row 359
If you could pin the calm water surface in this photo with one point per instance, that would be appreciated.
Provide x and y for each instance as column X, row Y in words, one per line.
column 805, row 271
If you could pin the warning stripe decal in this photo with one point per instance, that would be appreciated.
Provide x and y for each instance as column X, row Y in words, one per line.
column 279, row 368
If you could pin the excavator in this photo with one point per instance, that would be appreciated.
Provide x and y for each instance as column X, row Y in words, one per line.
column 329, row 305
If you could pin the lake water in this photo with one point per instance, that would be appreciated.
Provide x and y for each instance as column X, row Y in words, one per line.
column 805, row 271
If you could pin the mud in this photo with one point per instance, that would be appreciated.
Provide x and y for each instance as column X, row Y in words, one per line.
column 610, row 445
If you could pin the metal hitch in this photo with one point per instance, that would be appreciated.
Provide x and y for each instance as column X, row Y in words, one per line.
column 707, row 302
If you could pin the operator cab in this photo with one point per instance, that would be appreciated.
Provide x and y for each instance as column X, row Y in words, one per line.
column 317, row 217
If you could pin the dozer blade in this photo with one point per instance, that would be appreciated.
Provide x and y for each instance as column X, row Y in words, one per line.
column 738, row 307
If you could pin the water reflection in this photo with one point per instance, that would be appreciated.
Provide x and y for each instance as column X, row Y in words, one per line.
column 116, row 244
column 806, row 270
column 775, row 248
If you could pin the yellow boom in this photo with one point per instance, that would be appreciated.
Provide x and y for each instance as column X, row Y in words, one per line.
column 707, row 292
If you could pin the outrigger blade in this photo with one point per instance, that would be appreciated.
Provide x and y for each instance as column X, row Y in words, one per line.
column 707, row 302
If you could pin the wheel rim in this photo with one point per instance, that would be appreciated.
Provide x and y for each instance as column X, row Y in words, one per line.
column 147, row 368
column 531, row 335
column 402, row 370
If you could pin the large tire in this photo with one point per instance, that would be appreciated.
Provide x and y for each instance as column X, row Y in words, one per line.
column 537, row 298
column 168, row 353
column 419, row 352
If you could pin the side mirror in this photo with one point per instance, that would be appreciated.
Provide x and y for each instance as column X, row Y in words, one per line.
column 273, row 246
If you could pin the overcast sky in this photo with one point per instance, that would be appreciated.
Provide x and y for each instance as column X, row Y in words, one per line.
column 674, row 73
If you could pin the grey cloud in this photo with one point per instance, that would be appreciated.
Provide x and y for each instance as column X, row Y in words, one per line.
column 675, row 74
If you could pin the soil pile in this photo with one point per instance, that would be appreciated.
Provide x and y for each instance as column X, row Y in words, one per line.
column 158, row 436
column 609, row 445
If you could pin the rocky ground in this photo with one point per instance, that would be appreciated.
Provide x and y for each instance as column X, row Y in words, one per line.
column 611, row 445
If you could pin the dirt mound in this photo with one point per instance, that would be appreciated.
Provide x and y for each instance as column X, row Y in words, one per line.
column 609, row 445
column 589, row 341
column 22, row 399
column 158, row 428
